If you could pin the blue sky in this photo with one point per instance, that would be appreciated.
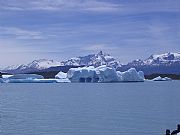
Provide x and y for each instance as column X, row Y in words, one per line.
column 61, row 29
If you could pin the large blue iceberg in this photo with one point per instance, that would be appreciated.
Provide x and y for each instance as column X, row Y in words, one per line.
column 104, row 74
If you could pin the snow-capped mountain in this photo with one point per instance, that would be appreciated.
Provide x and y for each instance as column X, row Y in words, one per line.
column 166, row 58
column 43, row 64
column 36, row 65
column 93, row 60
column 157, row 60
column 167, row 63
column 89, row 60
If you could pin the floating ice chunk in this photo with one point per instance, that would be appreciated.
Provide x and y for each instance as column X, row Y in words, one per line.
column 31, row 81
column 159, row 78
column 6, row 76
column 167, row 79
column 45, row 81
column 119, row 75
column 141, row 75
column 61, row 75
column 65, row 80
column 106, row 74
column 84, row 74
column 26, row 76
column 132, row 75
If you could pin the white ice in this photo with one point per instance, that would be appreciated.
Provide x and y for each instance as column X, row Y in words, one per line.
column 104, row 74
column 84, row 74
column 31, row 81
column 159, row 78
column 26, row 76
column 131, row 75
column 6, row 76
column 61, row 75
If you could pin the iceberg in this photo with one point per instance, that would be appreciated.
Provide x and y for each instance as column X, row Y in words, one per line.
column 84, row 74
column 131, row 75
column 31, row 78
column 104, row 74
column 31, row 81
column 6, row 76
column 65, row 80
column 26, row 76
column 61, row 75
column 159, row 78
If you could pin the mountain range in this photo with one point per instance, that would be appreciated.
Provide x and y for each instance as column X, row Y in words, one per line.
column 167, row 63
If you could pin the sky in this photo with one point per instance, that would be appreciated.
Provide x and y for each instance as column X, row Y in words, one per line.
column 61, row 29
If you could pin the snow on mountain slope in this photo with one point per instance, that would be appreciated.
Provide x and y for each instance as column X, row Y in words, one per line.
column 12, row 67
column 161, row 59
column 166, row 58
column 43, row 64
column 93, row 60
column 33, row 66
column 89, row 60
column 166, row 63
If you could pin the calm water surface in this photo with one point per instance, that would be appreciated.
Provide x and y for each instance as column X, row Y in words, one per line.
column 89, row 109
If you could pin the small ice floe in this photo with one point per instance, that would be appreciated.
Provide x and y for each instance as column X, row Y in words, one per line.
column 65, row 80
column 159, row 78
column 26, row 76
column 6, row 76
column 61, row 75
column 31, row 81
column 21, row 78
column 37, row 81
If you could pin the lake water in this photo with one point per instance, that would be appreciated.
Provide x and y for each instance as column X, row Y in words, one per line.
column 89, row 109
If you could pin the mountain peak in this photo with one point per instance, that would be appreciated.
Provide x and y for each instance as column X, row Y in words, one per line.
column 43, row 64
column 100, row 53
column 95, row 60
column 156, row 60
column 165, row 57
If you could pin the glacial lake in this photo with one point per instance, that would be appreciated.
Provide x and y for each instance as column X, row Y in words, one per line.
column 146, row 108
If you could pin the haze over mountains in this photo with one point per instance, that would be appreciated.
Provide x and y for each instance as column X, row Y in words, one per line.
column 167, row 63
